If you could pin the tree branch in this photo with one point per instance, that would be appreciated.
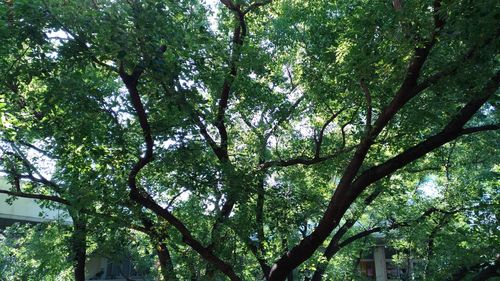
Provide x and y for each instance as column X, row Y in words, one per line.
column 344, row 196
column 31, row 169
column 453, row 67
column 451, row 131
column 237, row 41
column 255, row 5
column 484, row 128
column 36, row 196
column 319, row 140
column 396, row 225
column 211, row 142
column 304, row 160
column 142, row 197
column 333, row 247
column 284, row 117
column 146, row 201
column 81, row 42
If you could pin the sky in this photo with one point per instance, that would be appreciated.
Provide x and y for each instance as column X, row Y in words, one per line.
column 212, row 4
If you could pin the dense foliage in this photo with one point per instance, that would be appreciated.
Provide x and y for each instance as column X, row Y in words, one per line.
column 252, row 139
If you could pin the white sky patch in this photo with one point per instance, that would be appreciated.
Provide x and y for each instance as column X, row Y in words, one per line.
column 166, row 144
column 267, row 45
column 186, row 83
column 272, row 141
column 177, row 199
column 429, row 188
column 203, row 91
column 55, row 37
column 252, row 75
column 212, row 18
column 294, row 95
column 209, row 205
column 184, row 196
column 58, row 35
column 117, row 104
column 272, row 180
column 303, row 127
column 44, row 164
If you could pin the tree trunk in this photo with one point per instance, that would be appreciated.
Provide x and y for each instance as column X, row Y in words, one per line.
column 79, row 245
column 333, row 246
column 166, row 265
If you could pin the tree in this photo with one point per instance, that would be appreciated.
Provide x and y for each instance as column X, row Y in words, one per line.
column 252, row 141
column 29, row 253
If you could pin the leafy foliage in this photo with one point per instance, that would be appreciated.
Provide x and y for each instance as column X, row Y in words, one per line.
column 252, row 139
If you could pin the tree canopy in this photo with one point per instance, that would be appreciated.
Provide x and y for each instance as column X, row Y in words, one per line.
column 252, row 139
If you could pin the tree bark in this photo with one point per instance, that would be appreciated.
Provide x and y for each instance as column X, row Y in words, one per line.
column 345, row 194
column 166, row 265
column 157, row 240
column 79, row 245
column 333, row 246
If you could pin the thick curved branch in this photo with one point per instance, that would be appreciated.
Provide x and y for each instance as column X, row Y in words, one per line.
column 406, row 92
column 144, row 199
column 239, row 34
column 343, row 196
column 131, row 82
column 333, row 247
column 453, row 130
